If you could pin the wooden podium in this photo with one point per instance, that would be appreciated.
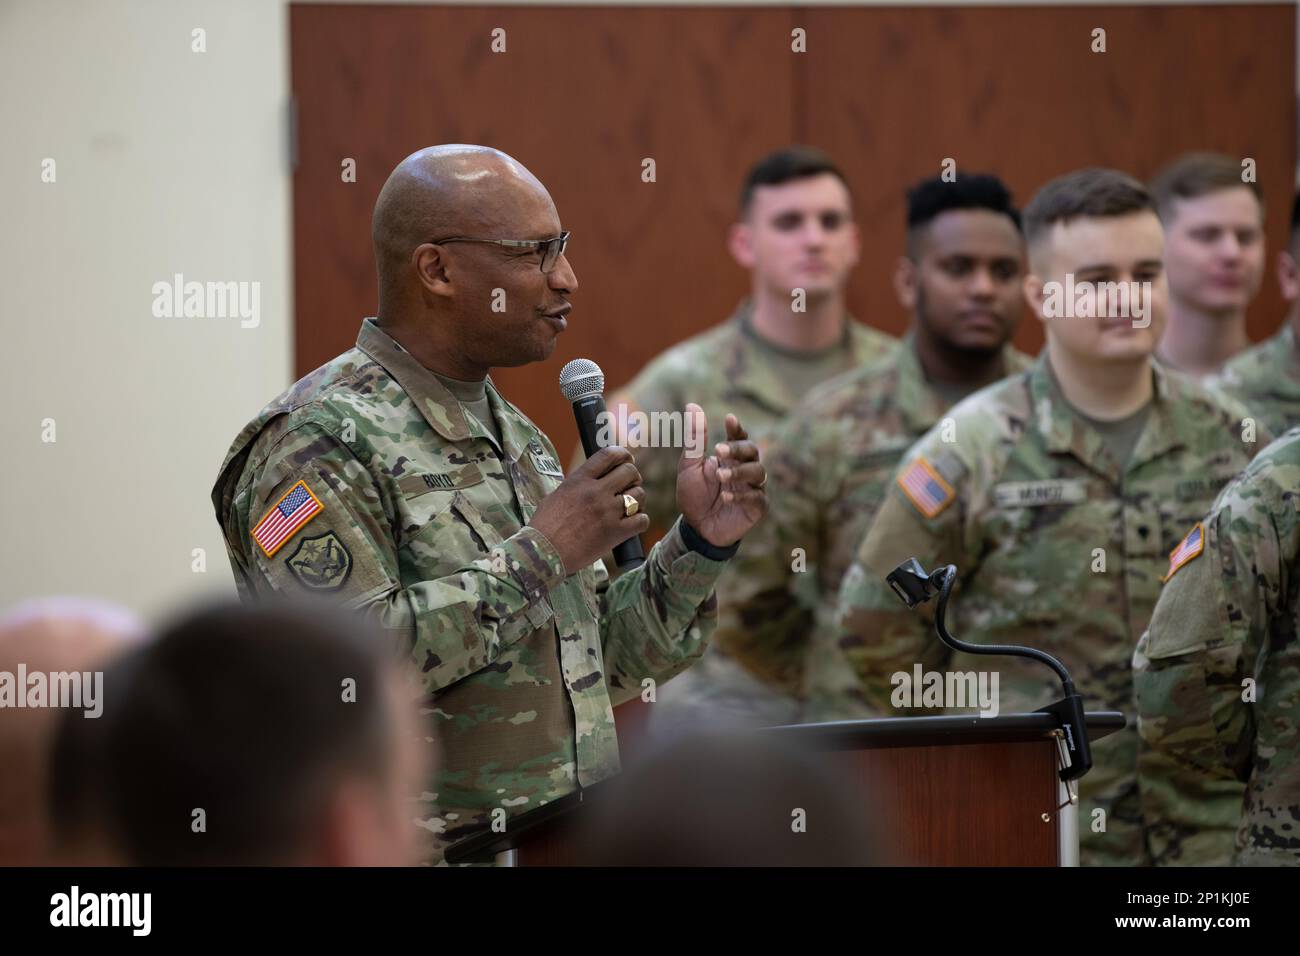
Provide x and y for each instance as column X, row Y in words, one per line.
column 946, row 791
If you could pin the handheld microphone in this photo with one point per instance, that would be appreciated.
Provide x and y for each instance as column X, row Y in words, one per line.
column 583, row 383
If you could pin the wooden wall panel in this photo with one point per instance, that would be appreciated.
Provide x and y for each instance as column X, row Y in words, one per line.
column 583, row 94
column 1019, row 92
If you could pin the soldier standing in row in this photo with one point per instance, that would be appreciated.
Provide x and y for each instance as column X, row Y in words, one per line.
column 1266, row 378
column 831, row 461
column 796, row 236
column 1058, row 493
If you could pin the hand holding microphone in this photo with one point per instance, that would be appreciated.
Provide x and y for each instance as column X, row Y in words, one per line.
column 597, row 508
column 588, row 514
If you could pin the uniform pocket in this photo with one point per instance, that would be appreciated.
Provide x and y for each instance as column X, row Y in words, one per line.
column 452, row 536
column 456, row 537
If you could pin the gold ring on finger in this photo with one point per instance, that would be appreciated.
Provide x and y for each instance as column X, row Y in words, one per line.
column 630, row 506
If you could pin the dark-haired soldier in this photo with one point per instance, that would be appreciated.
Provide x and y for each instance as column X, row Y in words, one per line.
column 1266, row 378
column 797, row 238
column 1214, row 256
column 274, row 735
column 830, row 463
column 1059, row 493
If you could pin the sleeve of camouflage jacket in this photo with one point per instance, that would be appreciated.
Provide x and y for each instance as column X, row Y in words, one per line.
column 876, row 632
column 653, row 622
column 656, row 620
column 1206, row 633
column 458, row 623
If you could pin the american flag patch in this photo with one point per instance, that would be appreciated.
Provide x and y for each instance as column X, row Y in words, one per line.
column 926, row 488
column 295, row 508
column 1187, row 549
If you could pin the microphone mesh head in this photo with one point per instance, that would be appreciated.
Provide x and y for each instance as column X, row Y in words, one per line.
column 581, row 378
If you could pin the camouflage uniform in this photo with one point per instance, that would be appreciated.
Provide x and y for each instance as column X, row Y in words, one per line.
column 1231, row 611
column 1028, row 502
column 1266, row 379
column 723, row 370
column 421, row 525
column 828, row 466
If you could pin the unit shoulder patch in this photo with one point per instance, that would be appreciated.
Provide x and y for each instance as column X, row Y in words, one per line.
column 321, row 562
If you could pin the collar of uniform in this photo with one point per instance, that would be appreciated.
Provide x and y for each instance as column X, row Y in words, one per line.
column 918, row 404
column 440, row 408
column 1173, row 416
column 1065, row 431
column 1061, row 428
column 755, row 379
column 743, row 374
column 1285, row 360
column 921, row 406
column 518, row 433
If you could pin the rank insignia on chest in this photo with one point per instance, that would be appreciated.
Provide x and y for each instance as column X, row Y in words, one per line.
column 1187, row 550
column 925, row 488
column 544, row 463
column 296, row 507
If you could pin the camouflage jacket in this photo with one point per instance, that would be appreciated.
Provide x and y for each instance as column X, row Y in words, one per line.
column 828, row 466
column 415, row 516
column 722, row 370
column 1266, row 379
column 1057, row 546
column 1217, row 675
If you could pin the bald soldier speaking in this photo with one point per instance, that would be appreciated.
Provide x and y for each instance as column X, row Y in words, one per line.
column 398, row 481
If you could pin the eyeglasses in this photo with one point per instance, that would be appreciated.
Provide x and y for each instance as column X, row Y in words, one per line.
column 551, row 249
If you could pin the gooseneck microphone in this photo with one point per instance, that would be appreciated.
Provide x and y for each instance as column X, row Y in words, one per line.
column 583, row 383
column 914, row 585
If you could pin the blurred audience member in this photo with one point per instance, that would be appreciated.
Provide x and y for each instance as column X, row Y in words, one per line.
column 48, row 636
column 733, row 799
column 261, row 735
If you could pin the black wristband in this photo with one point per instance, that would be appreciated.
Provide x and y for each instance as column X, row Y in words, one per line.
column 697, row 543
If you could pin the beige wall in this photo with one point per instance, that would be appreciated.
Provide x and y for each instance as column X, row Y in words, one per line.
column 167, row 161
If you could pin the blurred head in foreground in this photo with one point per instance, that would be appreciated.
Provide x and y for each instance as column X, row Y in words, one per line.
column 733, row 799
column 270, row 735
column 48, row 647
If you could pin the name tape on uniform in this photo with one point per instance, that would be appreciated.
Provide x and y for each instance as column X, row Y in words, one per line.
column 545, row 464
column 1029, row 494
